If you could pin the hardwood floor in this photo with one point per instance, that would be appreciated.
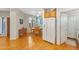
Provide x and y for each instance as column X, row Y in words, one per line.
column 31, row 42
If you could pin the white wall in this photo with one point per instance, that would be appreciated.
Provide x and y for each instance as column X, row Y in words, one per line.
column 20, row 15
column 26, row 23
column 25, row 18
column 4, row 13
column 13, row 25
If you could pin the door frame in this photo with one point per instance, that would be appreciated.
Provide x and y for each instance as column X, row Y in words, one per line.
column 8, row 30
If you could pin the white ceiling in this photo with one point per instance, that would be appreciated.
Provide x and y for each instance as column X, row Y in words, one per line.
column 31, row 11
column 35, row 11
column 4, row 9
column 72, row 11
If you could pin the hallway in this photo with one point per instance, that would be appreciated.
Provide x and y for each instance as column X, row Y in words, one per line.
column 52, row 24
column 32, row 42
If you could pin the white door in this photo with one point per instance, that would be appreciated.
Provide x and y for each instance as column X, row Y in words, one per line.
column 49, row 30
column 63, row 28
column 52, row 30
column 72, row 26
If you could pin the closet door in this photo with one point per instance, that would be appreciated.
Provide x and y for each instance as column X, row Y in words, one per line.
column 63, row 28
column 49, row 30
column 52, row 33
column 72, row 26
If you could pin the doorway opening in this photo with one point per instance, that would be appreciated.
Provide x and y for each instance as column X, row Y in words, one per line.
column 35, row 25
column 4, row 31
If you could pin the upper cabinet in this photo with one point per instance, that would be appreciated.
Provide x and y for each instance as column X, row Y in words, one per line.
column 49, row 12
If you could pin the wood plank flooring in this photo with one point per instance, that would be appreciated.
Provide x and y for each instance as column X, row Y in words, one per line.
column 31, row 42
